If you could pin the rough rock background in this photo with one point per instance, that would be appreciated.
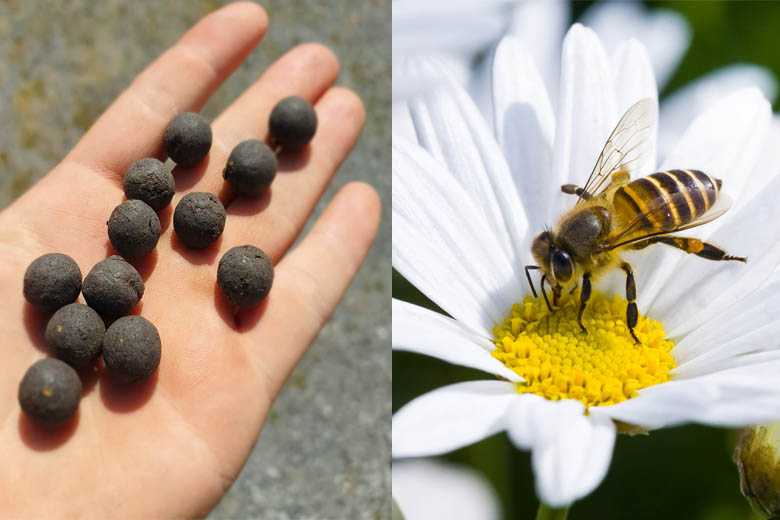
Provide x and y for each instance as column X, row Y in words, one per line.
column 325, row 451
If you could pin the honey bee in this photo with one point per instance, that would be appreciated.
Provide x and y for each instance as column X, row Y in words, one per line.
column 614, row 214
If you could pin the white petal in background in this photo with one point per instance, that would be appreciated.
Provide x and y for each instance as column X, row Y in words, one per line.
column 730, row 398
column 681, row 107
column 451, row 417
column 540, row 25
column 453, row 130
column 444, row 246
column 525, row 126
column 665, row 33
column 419, row 330
column 570, row 451
column 586, row 112
column 428, row 489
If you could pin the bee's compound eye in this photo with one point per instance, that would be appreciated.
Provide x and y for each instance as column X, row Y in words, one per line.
column 562, row 266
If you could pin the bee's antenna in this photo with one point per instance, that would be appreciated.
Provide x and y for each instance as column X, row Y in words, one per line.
column 528, row 270
column 546, row 300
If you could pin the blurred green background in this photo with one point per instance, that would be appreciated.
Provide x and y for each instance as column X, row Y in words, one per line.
column 684, row 472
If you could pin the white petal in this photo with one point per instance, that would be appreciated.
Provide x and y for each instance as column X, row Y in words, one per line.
column 749, row 317
column 634, row 80
column 450, row 25
column 681, row 107
column 452, row 129
column 402, row 121
column 430, row 489
column 540, row 25
column 730, row 398
column 570, row 451
column 443, row 245
column 524, row 126
column 725, row 142
column 451, row 417
column 587, row 111
column 664, row 32
column 419, row 330
column 700, row 289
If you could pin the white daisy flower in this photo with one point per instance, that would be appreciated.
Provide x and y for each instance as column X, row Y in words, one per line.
column 428, row 489
column 467, row 202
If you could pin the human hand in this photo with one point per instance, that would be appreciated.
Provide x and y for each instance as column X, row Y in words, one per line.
column 170, row 447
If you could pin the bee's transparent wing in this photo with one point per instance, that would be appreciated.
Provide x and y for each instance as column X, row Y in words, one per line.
column 627, row 148
column 636, row 231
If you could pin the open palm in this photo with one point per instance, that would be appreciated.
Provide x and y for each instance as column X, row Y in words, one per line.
column 171, row 446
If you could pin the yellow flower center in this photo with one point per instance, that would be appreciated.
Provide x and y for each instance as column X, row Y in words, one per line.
column 558, row 361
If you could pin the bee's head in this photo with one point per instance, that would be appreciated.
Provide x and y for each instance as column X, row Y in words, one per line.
column 556, row 263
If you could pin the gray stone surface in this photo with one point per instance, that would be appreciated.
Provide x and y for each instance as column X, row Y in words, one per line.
column 325, row 451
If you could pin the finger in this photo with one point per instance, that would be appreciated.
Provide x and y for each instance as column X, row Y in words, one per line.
column 180, row 80
column 295, row 192
column 311, row 280
column 307, row 70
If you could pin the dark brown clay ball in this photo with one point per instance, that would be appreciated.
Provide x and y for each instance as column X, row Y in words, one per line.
column 50, row 391
column 131, row 349
column 134, row 229
column 199, row 219
column 75, row 334
column 150, row 181
column 245, row 275
column 251, row 168
column 113, row 287
column 187, row 139
column 292, row 124
column 51, row 281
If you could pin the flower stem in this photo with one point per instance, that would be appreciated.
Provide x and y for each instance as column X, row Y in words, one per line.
column 545, row 512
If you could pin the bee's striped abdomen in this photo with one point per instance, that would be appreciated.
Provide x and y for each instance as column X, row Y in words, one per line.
column 667, row 200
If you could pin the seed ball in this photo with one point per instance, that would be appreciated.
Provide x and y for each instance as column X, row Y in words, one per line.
column 133, row 229
column 187, row 139
column 75, row 334
column 113, row 287
column 293, row 123
column 131, row 349
column 51, row 281
column 50, row 391
column 199, row 219
column 148, row 180
column 250, row 168
column 245, row 274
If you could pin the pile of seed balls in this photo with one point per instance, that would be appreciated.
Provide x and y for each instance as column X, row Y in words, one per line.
column 79, row 334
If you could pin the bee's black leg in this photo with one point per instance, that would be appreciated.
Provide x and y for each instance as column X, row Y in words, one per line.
column 546, row 300
column 573, row 189
column 556, row 295
column 632, row 313
column 692, row 246
column 528, row 270
column 573, row 288
column 584, row 297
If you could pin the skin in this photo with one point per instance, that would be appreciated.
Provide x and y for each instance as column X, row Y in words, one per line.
column 171, row 447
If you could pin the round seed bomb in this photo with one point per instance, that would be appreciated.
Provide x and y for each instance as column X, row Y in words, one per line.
column 50, row 391
column 293, row 123
column 75, row 334
column 148, row 180
column 250, row 168
column 199, row 219
column 187, row 139
column 131, row 349
column 245, row 274
column 51, row 281
column 133, row 229
column 113, row 287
